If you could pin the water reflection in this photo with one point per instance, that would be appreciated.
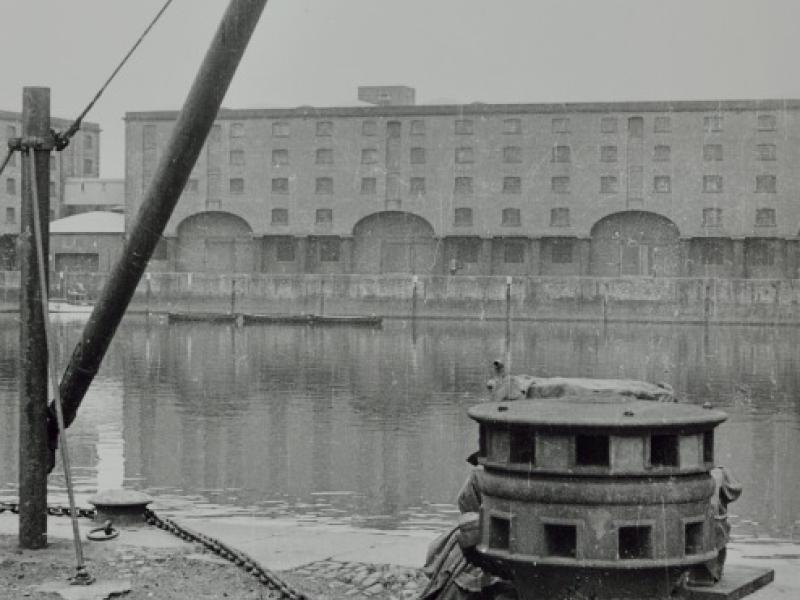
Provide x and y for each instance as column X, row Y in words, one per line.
column 370, row 426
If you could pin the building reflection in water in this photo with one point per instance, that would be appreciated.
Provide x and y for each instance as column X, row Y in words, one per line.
column 369, row 426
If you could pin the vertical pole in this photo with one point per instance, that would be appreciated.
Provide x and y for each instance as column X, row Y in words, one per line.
column 233, row 295
column 33, row 441
column 148, row 293
column 508, row 332
column 414, row 282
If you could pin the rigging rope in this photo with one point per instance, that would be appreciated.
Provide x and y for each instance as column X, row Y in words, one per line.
column 6, row 160
column 52, row 382
column 62, row 139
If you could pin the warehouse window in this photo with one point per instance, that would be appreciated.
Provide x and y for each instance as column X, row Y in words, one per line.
column 608, row 154
column 280, row 157
column 712, row 152
column 462, row 217
column 662, row 153
column 324, row 156
column 608, row 125
column 324, row 216
column 511, row 217
column 280, row 216
column 512, row 126
column 236, row 185
column 765, row 217
column 463, row 185
column 512, row 185
column 464, row 127
column 369, row 185
column 559, row 217
column 280, row 185
column 324, row 185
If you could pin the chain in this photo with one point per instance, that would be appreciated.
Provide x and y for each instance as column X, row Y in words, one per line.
column 237, row 557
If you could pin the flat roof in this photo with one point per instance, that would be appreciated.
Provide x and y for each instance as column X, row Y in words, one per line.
column 7, row 115
column 480, row 108
column 605, row 411
column 97, row 221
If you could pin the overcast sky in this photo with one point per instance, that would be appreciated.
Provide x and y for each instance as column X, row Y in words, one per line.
column 316, row 52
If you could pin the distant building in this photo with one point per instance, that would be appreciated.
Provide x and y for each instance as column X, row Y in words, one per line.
column 83, row 194
column 80, row 159
column 690, row 188
column 86, row 242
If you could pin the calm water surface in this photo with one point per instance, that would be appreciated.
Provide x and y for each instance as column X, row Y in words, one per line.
column 369, row 427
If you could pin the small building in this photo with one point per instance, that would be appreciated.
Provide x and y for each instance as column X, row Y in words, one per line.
column 82, row 194
column 88, row 242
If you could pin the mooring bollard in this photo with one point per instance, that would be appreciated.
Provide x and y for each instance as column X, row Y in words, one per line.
column 124, row 508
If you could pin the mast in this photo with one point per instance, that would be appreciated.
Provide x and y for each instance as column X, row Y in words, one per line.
column 187, row 139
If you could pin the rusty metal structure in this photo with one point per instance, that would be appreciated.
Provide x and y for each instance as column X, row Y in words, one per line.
column 596, row 496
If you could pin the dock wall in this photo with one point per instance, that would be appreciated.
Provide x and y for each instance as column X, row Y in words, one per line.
column 683, row 300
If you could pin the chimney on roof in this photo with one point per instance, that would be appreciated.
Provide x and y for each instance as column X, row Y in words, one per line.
column 387, row 95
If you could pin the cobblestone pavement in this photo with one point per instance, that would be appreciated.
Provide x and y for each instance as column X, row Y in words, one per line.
column 362, row 580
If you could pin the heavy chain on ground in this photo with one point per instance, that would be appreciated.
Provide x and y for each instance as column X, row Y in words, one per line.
column 267, row 578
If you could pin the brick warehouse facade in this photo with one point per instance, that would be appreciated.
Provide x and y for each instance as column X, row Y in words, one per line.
column 691, row 188
column 80, row 159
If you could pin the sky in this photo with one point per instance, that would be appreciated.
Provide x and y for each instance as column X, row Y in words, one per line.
column 317, row 52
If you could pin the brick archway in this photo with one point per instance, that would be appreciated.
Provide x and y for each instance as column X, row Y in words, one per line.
column 635, row 243
column 394, row 242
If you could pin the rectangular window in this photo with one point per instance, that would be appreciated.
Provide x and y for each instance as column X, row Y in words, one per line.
column 284, row 250
column 512, row 185
column 662, row 184
column 369, row 128
column 760, row 253
column 323, row 216
column 280, row 129
column 280, row 216
column 559, row 217
column 522, row 445
column 329, row 250
column 561, row 540
column 417, row 127
column 592, row 450
column 662, row 125
column 464, row 155
column 512, row 154
column 237, row 157
column 561, row 154
column 693, row 538
column 708, row 446
column 609, row 184
column 561, row 252
column 369, row 156
column 499, row 532
column 560, row 185
column 280, row 185
column 11, row 214
column 560, row 125
column 369, row 185
column 765, row 217
column 512, row 126
column 712, row 152
column 323, row 185
column 634, row 542
column 664, row 450
column 662, row 153
column 237, row 130
column 712, row 183
column 280, row 158
column 767, row 123
column 324, row 128
column 192, row 186
column 608, row 125
column 511, row 217
column 236, row 185
column 766, row 151
column 514, row 252
column 712, row 217
column 464, row 127
column 324, row 156
column 608, row 154
column 417, row 156
column 463, row 185
column 88, row 166
column 416, row 186
column 462, row 217
column 766, row 184
column 712, row 252
column 712, row 123
column 88, row 141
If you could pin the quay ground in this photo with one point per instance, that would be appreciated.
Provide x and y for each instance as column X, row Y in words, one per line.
column 328, row 561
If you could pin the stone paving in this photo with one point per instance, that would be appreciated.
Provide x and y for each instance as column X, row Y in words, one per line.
column 363, row 580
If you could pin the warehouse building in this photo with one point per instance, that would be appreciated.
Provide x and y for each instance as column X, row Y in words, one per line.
column 661, row 189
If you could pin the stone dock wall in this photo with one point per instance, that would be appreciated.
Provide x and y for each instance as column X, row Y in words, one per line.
column 685, row 300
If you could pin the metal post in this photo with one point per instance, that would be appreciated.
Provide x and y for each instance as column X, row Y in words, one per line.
column 508, row 331
column 177, row 161
column 33, row 438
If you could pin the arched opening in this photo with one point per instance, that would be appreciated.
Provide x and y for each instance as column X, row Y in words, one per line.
column 635, row 243
column 215, row 242
column 394, row 242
